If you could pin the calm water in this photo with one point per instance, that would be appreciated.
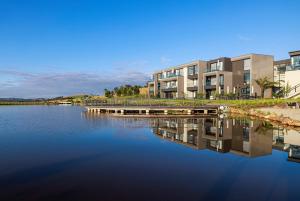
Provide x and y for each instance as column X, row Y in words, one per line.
column 62, row 153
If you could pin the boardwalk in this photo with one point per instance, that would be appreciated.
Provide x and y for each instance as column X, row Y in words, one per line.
column 156, row 110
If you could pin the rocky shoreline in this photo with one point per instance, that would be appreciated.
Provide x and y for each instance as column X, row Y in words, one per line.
column 269, row 116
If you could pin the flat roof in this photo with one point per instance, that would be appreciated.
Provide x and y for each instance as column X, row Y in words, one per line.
column 283, row 61
column 244, row 56
column 294, row 53
column 179, row 66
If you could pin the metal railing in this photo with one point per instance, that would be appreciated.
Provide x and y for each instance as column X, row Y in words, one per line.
column 169, row 76
column 294, row 91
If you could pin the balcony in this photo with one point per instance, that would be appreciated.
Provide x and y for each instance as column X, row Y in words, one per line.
column 292, row 67
column 169, row 88
column 192, row 88
column 192, row 76
column 214, row 69
column 210, row 85
column 173, row 75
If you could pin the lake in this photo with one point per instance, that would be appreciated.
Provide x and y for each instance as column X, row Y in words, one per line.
column 64, row 153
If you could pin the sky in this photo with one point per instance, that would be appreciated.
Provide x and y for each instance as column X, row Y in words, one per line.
column 55, row 48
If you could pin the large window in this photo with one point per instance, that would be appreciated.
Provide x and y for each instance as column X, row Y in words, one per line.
column 247, row 77
column 213, row 67
column 296, row 61
column 221, row 79
column 218, row 66
column 172, row 84
column 212, row 80
column 193, row 70
column 247, row 64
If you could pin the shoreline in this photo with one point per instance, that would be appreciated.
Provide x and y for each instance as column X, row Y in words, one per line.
column 268, row 114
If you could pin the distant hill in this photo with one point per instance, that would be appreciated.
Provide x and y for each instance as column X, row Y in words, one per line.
column 21, row 99
column 75, row 99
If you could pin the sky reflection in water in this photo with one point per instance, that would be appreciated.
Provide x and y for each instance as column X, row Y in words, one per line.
column 62, row 153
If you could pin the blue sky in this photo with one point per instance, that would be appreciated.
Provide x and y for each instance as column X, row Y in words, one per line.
column 63, row 47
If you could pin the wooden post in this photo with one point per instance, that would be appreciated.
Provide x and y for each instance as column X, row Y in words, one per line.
column 205, row 111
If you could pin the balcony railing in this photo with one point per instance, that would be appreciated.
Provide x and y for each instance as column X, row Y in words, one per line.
column 169, row 76
column 169, row 87
column 292, row 67
column 207, row 70
column 210, row 83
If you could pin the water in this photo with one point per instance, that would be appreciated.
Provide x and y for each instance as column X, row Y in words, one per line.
column 62, row 153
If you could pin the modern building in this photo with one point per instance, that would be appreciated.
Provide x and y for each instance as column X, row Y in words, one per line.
column 219, row 76
column 183, row 81
column 279, row 71
column 287, row 73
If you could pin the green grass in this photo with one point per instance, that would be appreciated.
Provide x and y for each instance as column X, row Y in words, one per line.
column 243, row 104
column 198, row 102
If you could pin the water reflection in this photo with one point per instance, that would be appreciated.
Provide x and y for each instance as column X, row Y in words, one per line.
column 241, row 136
column 238, row 136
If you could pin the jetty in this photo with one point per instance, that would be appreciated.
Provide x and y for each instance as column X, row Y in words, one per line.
column 157, row 110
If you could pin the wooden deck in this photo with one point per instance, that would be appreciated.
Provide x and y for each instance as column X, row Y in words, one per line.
column 155, row 110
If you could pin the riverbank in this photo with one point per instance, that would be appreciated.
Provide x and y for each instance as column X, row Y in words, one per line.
column 287, row 117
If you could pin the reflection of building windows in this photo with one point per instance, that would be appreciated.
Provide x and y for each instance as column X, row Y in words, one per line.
column 246, row 134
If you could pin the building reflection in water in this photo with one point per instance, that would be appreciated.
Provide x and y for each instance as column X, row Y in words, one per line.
column 241, row 136
column 250, row 138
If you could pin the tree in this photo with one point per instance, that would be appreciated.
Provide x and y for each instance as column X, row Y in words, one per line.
column 108, row 93
column 264, row 83
column 136, row 89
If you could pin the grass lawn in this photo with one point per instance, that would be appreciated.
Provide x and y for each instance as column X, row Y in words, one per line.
column 198, row 102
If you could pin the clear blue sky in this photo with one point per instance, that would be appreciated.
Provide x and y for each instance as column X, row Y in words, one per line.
column 63, row 47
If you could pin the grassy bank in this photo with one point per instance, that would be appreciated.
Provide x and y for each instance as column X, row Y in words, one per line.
column 196, row 102
column 94, row 100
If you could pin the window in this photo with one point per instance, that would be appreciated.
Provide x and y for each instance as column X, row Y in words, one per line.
column 220, row 65
column 221, row 79
column 247, row 64
column 213, row 81
column 213, row 67
column 245, row 91
column 193, row 70
column 247, row 77
column 296, row 61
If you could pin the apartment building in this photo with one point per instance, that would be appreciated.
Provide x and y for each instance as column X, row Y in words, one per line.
column 287, row 72
column 183, row 81
column 217, row 76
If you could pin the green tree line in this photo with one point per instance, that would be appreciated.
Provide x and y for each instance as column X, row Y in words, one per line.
column 124, row 90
